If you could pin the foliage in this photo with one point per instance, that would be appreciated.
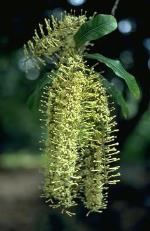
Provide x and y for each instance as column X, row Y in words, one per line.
column 133, row 153
column 118, row 97
column 94, row 29
column 118, row 69
column 20, row 160
column 19, row 126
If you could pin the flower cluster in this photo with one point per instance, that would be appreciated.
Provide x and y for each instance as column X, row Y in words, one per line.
column 57, row 41
column 80, row 149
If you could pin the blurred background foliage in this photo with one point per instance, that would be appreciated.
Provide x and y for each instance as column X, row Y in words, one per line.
column 19, row 126
column 20, row 159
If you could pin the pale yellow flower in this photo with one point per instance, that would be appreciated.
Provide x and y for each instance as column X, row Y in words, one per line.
column 79, row 148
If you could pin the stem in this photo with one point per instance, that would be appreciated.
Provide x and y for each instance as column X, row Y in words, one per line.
column 115, row 6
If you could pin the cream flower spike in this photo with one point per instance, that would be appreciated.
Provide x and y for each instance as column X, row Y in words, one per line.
column 58, row 37
column 79, row 147
column 80, row 152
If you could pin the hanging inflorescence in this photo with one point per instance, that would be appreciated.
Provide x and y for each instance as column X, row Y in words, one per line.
column 79, row 148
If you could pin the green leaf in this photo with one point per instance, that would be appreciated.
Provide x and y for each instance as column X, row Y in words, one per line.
column 119, row 70
column 95, row 28
column 32, row 101
column 34, row 98
column 117, row 96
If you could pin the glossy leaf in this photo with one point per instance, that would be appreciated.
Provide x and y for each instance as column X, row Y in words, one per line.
column 119, row 70
column 95, row 28
column 117, row 96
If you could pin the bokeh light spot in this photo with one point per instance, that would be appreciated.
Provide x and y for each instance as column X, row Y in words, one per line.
column 127, row 59
column 32, row 74
column 126, row 26
column 76, row 2
column 56, row 12
column 28, row 66
column 25, row 64
column 146, row 43
column 148, row 63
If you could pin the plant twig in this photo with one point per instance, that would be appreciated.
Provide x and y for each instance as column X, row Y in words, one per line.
column 115, row 6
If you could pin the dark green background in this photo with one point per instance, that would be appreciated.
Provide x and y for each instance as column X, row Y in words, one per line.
column 21, row 207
